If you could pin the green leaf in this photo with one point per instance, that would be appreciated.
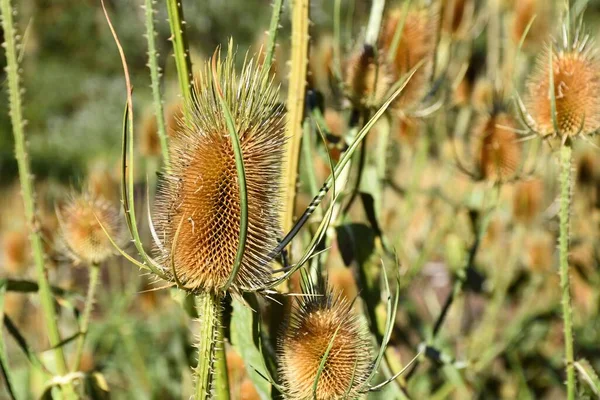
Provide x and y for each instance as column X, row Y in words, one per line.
column 242, row 339
column 588, row 375
column 3, row 359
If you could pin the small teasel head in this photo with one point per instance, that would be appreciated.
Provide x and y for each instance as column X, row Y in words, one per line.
column 527, row 200
column 324, row 342
column 415, row 49
column 368, row 78
column 498, row 149
column 572, row 69
column 86, row 222
column 198, row 208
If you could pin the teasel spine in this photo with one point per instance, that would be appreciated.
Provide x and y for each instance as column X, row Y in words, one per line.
column 26, row 181
column 155, row 81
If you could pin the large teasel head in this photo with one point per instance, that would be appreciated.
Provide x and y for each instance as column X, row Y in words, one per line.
column 198, row 211
column 89, row 224
column 563, row 91
column 326, row 344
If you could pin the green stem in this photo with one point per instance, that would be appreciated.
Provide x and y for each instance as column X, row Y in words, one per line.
column 563, row 248
column 87, row 311
column 277, row 6
column 374, row 24
column 181, row 50
column 209, row 310
column 25, row 177
column 221, row 378
column 155, row 82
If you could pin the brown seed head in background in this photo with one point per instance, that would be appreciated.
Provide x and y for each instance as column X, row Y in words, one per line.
column 499, row 150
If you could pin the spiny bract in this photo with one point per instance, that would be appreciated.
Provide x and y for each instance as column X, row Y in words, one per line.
column 315, row 321
column 198, row 210
column 575, row 72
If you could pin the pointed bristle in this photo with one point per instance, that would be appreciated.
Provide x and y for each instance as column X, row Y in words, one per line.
column 81, row 220
column 499, row 151
column 417, row 45
column 314, row 321
column 199, row 196
column 576, row 90
column 527, row 200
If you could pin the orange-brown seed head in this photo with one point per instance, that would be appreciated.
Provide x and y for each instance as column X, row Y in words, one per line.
column 315, row 323
column 367, row 78
column 499, row 151
column 575, row 72
column 527, row 200
column 198, row 210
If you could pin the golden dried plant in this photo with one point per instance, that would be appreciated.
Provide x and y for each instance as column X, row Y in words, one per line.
column 498, row 152
column 527, row 200
column 198, row 213
column 574, row 73
column 319, row 322
column 415, row 49
column 83, row 220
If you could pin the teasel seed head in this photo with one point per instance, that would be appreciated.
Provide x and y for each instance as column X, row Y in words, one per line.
column 198, row 211
column 524, row 13
column 83, row 220
column 417, row 45
column 575, row 73
column 457, row 15
column 527, row 200
column 316, row 322
column 499, row 152
column 367, row 78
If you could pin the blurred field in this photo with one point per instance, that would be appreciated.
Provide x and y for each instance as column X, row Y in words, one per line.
column 447, row 182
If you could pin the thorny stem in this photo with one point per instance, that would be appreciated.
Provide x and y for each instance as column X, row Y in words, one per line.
column 155, row 81
column 209, row 310
column 221, row 377
column 25, row 178
column 181, row 50
column 563, row 248
column 87, row 311
column 277, row 6
column 295, row 104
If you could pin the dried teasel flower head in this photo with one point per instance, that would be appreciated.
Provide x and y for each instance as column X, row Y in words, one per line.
column 320, row 321
column 572, row 67
column 415, row 49
column 498, row 149
column 83, row 220
column 198, row 209
column 538, row 13
column 367, row 78
column 457, row 15
column 527, row 200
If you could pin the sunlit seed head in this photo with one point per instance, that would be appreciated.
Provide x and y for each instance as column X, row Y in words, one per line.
column 499, row 152
column 81, row 220
column 416, row 48
column 199, row 196
column 316, row 322
column 527, row 200
column 575, row 73
column 367, row 78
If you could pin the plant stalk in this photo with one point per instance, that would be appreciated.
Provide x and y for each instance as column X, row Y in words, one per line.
column 563, row 248
column 87, row 311
column 274, row 25
column 25, row 178
column 181, row 50
column 295, row 105
column 155, row 82
column 209, row 311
